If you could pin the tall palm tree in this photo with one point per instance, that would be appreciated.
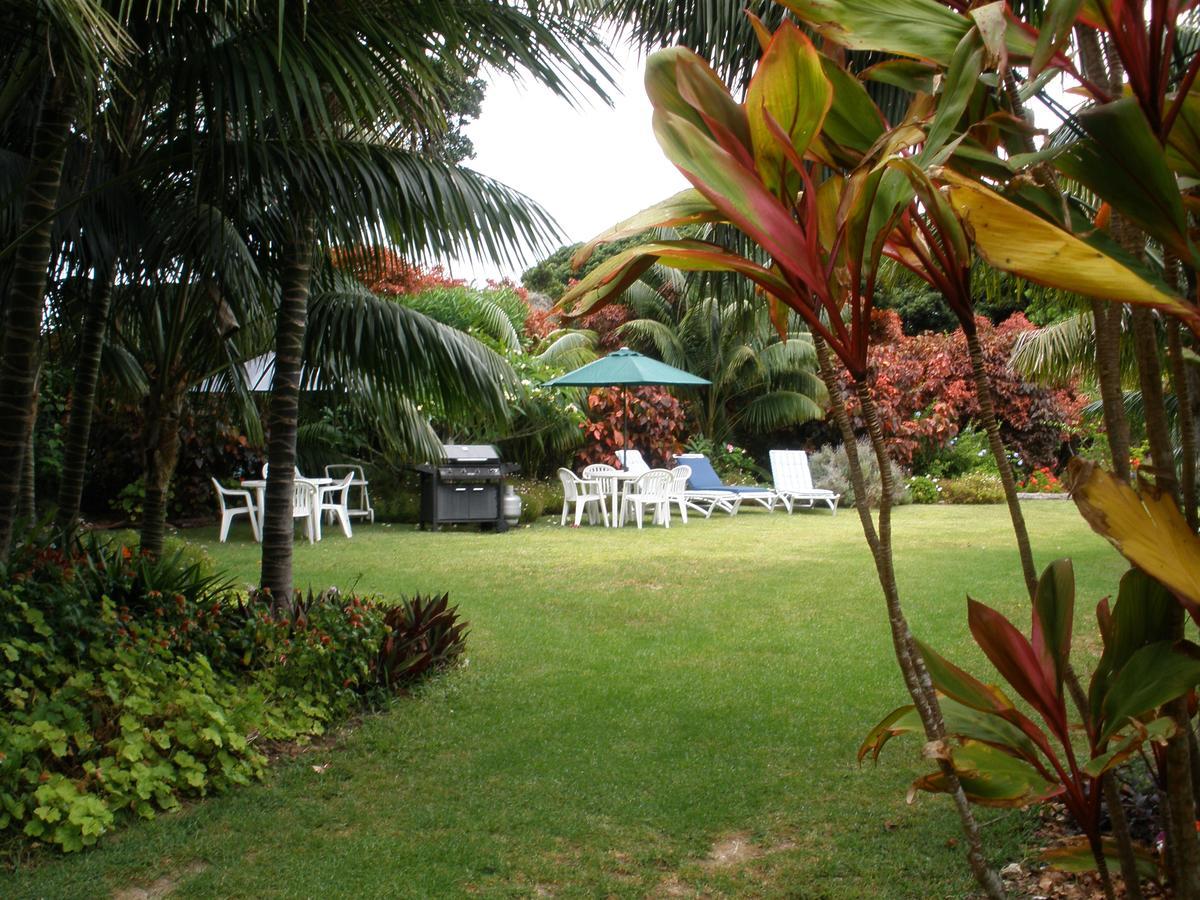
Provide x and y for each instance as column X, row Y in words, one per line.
column 760, row 381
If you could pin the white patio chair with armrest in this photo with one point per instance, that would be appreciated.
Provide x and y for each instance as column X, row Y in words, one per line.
column 363, row 508
column 601, row 474
column 228, row 511
column 681, row 474
column 266, row 467
column 333, row 502
column 633, row 462
column 575, row 490
column 706, row 492
column 651, row 489
column 304, row 506
column 794, row 484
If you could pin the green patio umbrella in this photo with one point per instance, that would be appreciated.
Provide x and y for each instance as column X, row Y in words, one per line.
column 627, row 368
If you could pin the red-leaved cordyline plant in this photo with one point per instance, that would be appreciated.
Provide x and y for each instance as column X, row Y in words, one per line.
column 1004, row 758
column 809, row 171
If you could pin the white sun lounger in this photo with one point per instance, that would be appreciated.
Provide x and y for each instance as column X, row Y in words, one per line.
column 794, row 484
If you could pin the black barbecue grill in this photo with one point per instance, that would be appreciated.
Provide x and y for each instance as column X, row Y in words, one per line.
column 467, row 486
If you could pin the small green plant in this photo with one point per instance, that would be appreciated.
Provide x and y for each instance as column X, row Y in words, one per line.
column 538, row 498
column 925, row 489
column 974, row 487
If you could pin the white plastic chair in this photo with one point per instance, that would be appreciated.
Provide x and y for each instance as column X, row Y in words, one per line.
column 363, row 508
column 304, row 506
column 575, row 491
column 333, row 502
column 652, row 489
column 228, row 512
column 267, row 466
column 680, row 474
column 606, row 485
column 633, row 462
column 794, row 484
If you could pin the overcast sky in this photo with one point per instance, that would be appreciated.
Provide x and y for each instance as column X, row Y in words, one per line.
column 589, row 168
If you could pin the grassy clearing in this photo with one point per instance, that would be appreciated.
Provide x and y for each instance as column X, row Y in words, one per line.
column 635, row 704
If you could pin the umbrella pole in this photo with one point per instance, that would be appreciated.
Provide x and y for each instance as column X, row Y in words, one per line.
column 625, row 433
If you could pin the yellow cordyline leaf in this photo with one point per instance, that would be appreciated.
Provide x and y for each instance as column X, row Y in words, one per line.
column 1015, row 240
column 1146, row 527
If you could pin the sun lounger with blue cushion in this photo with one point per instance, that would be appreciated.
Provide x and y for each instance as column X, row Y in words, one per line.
column 707, row 492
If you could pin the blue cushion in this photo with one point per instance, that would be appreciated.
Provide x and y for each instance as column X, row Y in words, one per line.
column 704, row 476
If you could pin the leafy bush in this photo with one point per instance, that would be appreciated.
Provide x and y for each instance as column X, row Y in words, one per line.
column 538, row 498
column 974, row 487
column 924, row 489
column 830, row 469
column 129, row 682
column 733, row 464
column 965, row 452
column 424, row 634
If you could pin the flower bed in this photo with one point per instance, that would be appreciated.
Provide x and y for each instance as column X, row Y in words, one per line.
column 131, row 683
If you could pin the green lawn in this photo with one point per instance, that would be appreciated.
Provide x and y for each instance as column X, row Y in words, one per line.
column 632, row 702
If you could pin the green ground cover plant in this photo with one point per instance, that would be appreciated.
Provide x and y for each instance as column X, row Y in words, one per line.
column 131, row 683
column 633, row 704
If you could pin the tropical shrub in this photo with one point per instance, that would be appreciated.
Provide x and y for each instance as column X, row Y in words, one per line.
column 974, row 487
column 1004, row 757
column 831, row 470
column 131, row 682
column 965, row 452
column 925, row 489
column 1042, row 481
column 655, row 427
column 539, row 497
column 925, row 394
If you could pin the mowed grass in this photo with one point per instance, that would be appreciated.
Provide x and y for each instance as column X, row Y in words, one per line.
column 631, row 702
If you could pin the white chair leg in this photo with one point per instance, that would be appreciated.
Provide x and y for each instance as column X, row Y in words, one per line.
column 638, row 511
column 579, row 512
column 563, row 519
column 344, row 515
column 254, row 529
column 665, row 513
column 603, row 504
column 226, row 518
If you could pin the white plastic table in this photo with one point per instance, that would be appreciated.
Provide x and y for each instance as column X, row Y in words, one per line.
column 259, row 486
column 619, row 478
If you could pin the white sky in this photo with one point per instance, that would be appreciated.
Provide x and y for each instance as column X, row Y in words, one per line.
column 589, row 168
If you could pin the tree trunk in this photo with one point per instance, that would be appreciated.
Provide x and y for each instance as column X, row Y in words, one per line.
column 1120, row 830
column 27, row 500
column 912, row 667
column 83, row 402
column 278, row 524
column 1181, row 806
column 160, row 442
column 987, row 412
column 1106, row 318
column 1187, row 426
column 26, row 301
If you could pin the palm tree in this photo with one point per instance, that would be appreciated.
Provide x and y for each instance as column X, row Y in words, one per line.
column 55, row 53
column 760, row 381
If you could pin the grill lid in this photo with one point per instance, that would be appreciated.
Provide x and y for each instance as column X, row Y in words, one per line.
column 464, row 454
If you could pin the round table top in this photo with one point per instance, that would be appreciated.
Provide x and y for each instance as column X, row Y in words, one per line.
column 262, row 482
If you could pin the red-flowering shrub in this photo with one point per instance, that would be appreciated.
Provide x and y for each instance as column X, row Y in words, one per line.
column 389, row 273
column 1042, row 481
column 655, row 427
column 924, row 389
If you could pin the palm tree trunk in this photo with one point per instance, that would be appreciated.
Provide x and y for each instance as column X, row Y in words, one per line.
column 1187, row 425
column 162, row 409
column 1106, row 318
column 27, row 500
column 26, row 300
column 278, row 524
column 987, row 412
column 83, row 402
column 1181, row 806
column 912, row 666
